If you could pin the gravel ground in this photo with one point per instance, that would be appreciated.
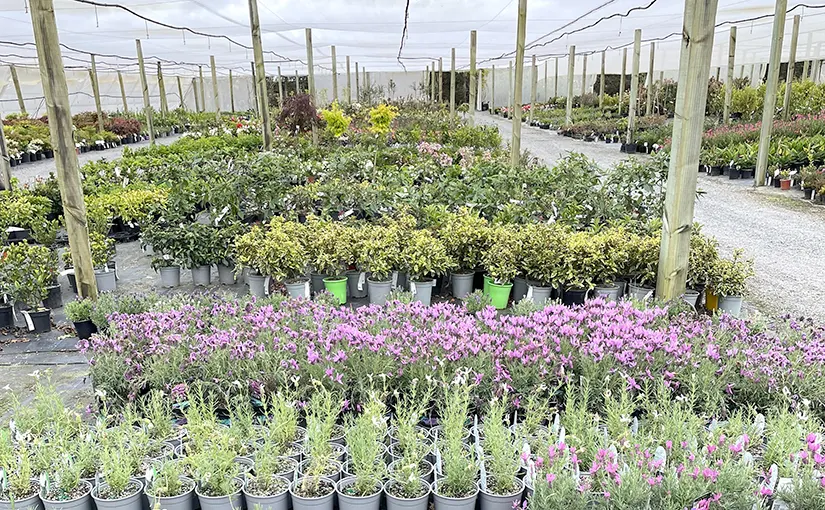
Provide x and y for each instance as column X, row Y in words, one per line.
column 27, row 173
column 783, row 234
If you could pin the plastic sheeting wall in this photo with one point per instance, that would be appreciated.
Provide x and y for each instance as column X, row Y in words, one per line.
column 82, row 100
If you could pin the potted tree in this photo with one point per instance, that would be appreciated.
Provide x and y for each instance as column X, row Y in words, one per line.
column 103, row 250
column 366, row 459
column 29, row 269
column 380, row 256
column 200, row 249
column 611, row 246
column 331, row 256
column 79, row 312
column 424, row 257
column 466, row 237
column 501, row 489
column 579, row 258
column 541, row 259
column 501, row 264
column 703, row 257
column 643, row 265
column 728, row 281
column 457, row 488
column 275, row 253
column 19, row 491
column 168, row 488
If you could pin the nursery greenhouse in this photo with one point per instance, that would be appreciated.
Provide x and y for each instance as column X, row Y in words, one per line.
column 412, row 255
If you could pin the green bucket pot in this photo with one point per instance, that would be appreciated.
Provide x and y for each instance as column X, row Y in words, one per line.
column 337, row 287
column 487, row 282
column 499, row 294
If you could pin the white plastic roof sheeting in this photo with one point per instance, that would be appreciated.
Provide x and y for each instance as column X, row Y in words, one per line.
column 369, row 31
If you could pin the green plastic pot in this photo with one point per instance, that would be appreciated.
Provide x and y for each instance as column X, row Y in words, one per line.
column 499, row 294
column 487, row 282
column 337, row 287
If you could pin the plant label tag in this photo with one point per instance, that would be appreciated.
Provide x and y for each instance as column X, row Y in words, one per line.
column 306, row 289
column 266, row 285
column 529, row 292
column 556, row 423
column 28, row 318
column 660, row 455
column 361, row 280
column 759, row 424
column 562, row 434
column 773, row 476
column 394, row 279
column 412, row 288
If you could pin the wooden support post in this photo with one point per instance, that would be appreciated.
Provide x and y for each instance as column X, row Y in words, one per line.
column 521, row 31
column 729, row 82
column 622, row 80
column 452, row 82
column 123, row 92
column 718, row 72
column 786, row 107
column 440, row 80
column 688, row 125
column 493, row 91
column 16, row 80
column 164, row 105
column 196, row 95
column 584, row 74
column 180, row 94
column 215, row 88
column 56, row 93
column 257, row 94
column 427, row 78
column 742, row 70
column 96, row 93
column 473, row 46
column 357, row 84
column 147, row 107
column 203, row 89
column 5, row 166
column 556, row 80
column 771, row 85
column 349, row 82
column 231, row 92
column 534, row 75
column 260, row 74
column 280, row 88
column 649, row 101
column 571, row 70
column 601, row 82
column 806, row 66
column 634, row 85
column 752, row 74
column 817, row 64
column 311, row 79
column 334, row 74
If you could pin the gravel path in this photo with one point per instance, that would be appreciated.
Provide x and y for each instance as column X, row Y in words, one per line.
column 29, row 172
column 785, row 236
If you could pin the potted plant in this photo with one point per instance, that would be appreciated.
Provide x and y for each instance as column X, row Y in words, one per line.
column 580, row 256
column 541, row 259
column 322, row 413
column 6, row 308
column 356, row 277
column 611, row 246
column 457, row 488
column 226, row 243
column 168, row 488
column 200, row 249
column 785, row 180
column 501, row 260
column 268, row 488
column 366, row 459
column 103, row 249
column 501, row 490
column 29, row 268
column 79, row 312
column 411, row 448
column 18, row 490
column 165, row 240
column 276, row 253
column 424, row 257
column 466, row 237
column 219, row 485
column 728, row 281
column 330, row 256
column 643, row 265
column 380, row 256
column 158, row 419
column 703, row 257
column 118, row 490
column 63, row 488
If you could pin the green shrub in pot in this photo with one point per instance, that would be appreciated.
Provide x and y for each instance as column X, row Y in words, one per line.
column 365, row 436
column 704, row 255
column 502, row 450
column 166, row 480
column 80, row 310
column 501, row 260
column 63, row 476
column 214, row 468
column 542, row 252
column 275, row 251
column 425, row 257
column 466, row 236
column 644, row 259
column 458, row 459
column 580, row 261
column 28, row 269
column 200, row 246
column 729, row 276
column 16, row 463
column 381, row 251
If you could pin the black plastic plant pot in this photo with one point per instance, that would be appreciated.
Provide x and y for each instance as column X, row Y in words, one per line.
column 630, row 148
column 715, row 171
column 54, row 299
column 72, row 281
column 808, row 193
column 6, row 316
column 776, row 182
column 41, row 320
column 735, row 173
column 85, row 329
column 574, row 297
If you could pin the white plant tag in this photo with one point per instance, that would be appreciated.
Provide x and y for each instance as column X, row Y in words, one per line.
column 412, row 288
column 562, row 435
column 634, row 426
column 529, row 292
column 773, row 476
column 556, row 423
column 362, row 278
column 747, row 459
column 28, row 318
column 306, row 289
column 660, row 455
column 266, row 285
column 394, row 279
column 759, row 424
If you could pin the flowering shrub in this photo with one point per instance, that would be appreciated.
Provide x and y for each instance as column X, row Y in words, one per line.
column 614, row 344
